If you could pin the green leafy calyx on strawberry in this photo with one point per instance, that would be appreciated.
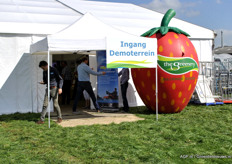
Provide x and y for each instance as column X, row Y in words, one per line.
column 164, row 29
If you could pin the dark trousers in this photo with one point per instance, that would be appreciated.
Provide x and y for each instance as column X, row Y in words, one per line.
column 125, row 102
column 66, row 91
column 81, row 86
column 75, row 89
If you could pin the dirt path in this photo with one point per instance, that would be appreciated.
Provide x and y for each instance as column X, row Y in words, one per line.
column 91, row 118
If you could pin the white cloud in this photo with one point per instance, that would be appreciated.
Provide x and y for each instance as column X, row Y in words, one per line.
column 218, row 1
column 227, row 37
column 192, row 13
column 162, row 6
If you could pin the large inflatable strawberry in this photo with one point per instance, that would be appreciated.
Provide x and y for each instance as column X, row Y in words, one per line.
column 177, row 69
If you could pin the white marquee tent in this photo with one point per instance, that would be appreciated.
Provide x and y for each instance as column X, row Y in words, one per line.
column 82, row 36
column 24, row 22
column 87, row 33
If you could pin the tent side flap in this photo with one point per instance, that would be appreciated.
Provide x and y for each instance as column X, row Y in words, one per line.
column 40, row 46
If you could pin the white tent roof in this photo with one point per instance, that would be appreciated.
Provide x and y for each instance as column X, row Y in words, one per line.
column 35, row 16
column 88, row 33
column 132, row 18
column 51, row 16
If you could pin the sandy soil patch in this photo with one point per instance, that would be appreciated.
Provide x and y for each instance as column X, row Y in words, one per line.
column 91, row 118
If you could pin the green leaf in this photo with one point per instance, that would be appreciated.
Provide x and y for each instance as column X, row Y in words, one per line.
column 177, row 30
column 164, row 29
column 154, row 31
column 147, row 33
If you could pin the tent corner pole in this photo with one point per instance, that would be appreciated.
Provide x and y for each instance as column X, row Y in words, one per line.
column 48, row 90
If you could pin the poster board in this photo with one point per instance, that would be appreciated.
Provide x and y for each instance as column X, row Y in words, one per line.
column 107, row 92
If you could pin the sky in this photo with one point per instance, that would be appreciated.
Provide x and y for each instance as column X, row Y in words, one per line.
column 215, row 15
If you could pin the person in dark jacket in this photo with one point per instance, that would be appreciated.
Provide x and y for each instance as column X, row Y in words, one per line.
column 124, row 73
column 56, row 83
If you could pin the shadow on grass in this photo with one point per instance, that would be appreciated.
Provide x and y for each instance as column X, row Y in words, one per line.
column 20, row 116
column 144, row 110
column 141, row 110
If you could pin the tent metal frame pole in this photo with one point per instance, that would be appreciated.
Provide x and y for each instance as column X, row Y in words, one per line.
column 48, row 90
column 156, row 90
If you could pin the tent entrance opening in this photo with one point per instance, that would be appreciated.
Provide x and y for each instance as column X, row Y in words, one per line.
column 67, row 67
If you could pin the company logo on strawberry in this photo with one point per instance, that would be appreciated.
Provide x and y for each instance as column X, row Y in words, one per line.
column 177, row 69
column 177, row 66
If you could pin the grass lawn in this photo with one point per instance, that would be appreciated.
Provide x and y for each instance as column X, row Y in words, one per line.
column 198, row 130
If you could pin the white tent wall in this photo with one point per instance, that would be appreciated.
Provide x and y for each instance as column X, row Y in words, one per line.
column 19, row 75
column 15, row 71
column 204, row 49
column 38, row 90
column 15, row 95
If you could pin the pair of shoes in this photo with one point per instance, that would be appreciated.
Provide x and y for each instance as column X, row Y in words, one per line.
column 40, row 122
column 125, row 110
column 59, row 120
column 99, row 110
column 76, row 112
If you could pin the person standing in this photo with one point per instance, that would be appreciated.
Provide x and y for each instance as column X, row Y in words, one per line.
column 56, row 83
column 124, row 85
column 76, row 80
column 84, row 72
column 67, row 77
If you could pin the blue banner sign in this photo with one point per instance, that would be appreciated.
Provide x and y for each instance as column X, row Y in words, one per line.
column 107, row 85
